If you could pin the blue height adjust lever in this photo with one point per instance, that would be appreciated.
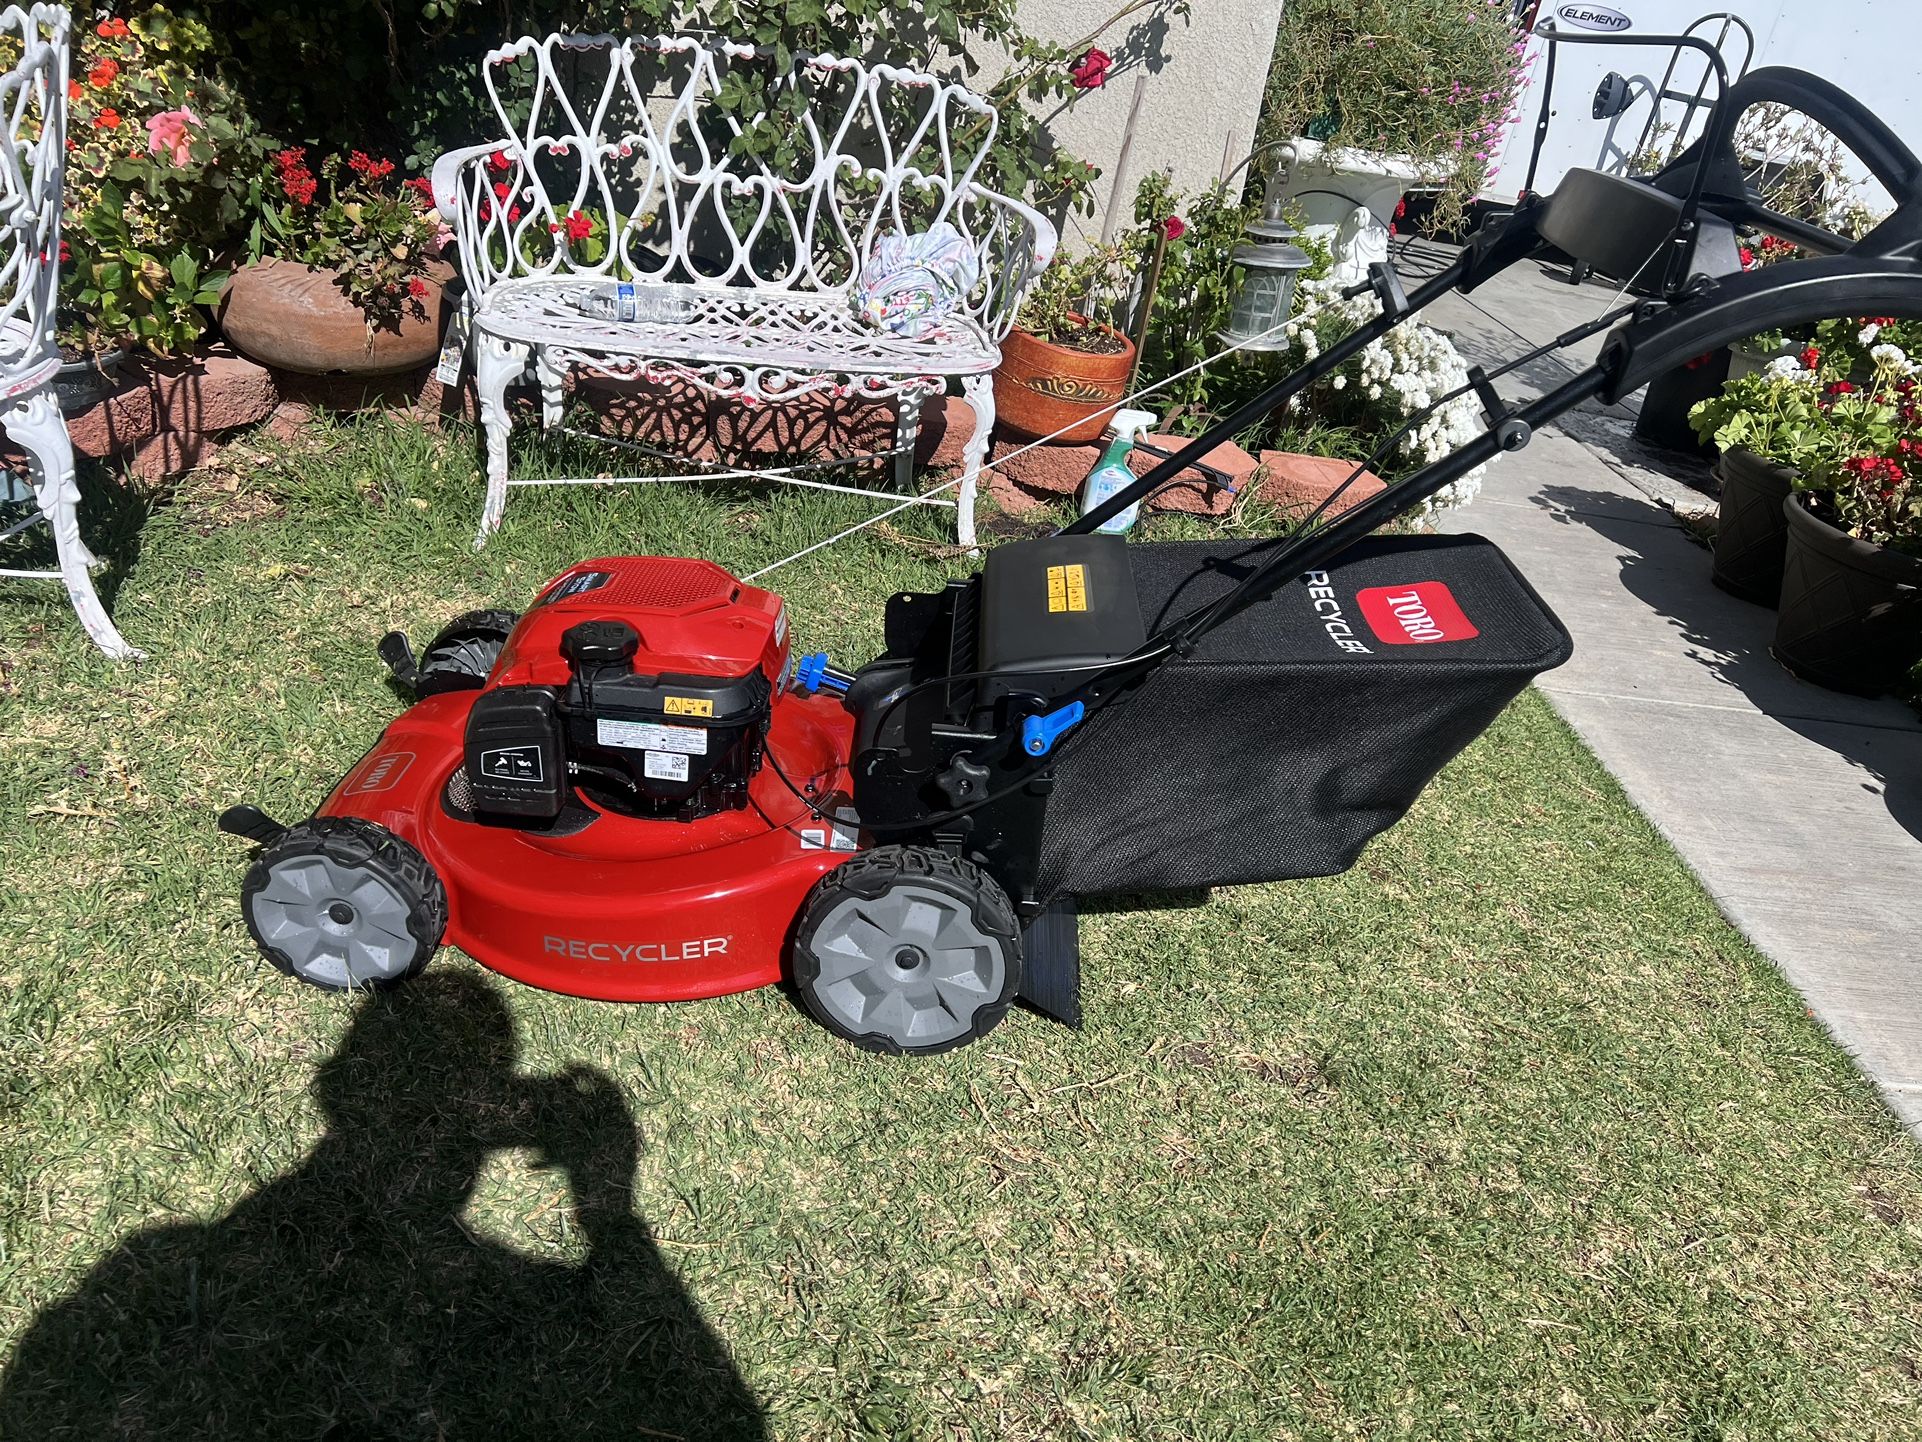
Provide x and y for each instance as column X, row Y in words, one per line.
column 1039, row 733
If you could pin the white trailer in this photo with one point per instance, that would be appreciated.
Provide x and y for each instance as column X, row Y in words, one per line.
column 1870, row 48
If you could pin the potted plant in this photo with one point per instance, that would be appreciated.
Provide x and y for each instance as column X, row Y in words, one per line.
column 1377, row 96
column 165, row 169
column 90, row 362
column 347, row 276
column 1851, row 607
column 1766, row 426
column 1063, row 367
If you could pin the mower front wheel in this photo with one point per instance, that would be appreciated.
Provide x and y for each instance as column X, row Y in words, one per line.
column 344, row 904
column 906, row 949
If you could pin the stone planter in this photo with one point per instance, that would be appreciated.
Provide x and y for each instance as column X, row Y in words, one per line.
column 1039, row 388
column 1349, row 199
column 1753, row 530
column 296, row 318
column 1851, row 612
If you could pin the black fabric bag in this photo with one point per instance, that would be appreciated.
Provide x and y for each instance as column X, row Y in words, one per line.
column 1298, row 729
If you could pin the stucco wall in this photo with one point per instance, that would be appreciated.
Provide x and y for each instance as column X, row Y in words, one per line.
column 1204, row 81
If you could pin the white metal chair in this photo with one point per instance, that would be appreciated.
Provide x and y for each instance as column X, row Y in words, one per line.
column 745, row 275
column 33, row 158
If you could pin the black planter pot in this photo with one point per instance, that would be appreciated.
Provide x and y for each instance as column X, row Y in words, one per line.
column 1666, row 403
column 1851, row 612
column 81, row 384
column 1753, row 531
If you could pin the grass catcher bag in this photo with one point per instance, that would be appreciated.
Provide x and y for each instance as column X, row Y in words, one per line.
column 1301, row 727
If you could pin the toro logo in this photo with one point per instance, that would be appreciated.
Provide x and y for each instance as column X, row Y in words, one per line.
column 1595, row 17
column 1417, row 614
column 380, row 773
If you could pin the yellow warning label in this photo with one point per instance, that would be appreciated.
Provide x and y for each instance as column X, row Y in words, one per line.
column 688, row 706
column 1067, row 588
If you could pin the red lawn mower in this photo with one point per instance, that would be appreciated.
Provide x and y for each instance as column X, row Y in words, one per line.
column 636, row 791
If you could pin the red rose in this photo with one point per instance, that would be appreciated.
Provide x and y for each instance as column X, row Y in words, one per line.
column 1174, row 227
column 1090, row 72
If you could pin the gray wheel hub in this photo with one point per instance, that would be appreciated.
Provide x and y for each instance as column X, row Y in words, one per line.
column 337, row 925
column 910, row 964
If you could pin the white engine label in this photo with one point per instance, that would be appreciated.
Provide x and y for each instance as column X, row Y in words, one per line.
column 644, row 736
column 665, row 765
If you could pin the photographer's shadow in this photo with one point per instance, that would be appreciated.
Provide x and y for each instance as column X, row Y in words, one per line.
column 349, row 1301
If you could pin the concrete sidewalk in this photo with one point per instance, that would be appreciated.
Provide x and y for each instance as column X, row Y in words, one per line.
column 1799, row 809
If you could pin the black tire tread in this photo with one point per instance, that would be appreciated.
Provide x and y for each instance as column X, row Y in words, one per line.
column 351, row 841
column 870, row 874
column 443, row 667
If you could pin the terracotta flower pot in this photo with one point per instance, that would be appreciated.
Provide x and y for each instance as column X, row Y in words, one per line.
column 1040, row 387
column 1753, row 530
column 1851, row 615
column 296, row 318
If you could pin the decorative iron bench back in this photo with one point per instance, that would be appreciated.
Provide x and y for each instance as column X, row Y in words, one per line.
column 639, row 139
column 33, row 99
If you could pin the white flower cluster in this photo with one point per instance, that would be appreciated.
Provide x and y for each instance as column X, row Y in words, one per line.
column 1403, row 373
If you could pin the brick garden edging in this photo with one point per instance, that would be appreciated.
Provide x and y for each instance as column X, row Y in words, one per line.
column 164, row 418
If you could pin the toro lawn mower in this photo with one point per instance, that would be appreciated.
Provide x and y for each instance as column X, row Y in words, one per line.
column 636, row 792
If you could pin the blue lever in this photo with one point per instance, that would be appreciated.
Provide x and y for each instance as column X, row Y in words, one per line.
column 809, row 670
column 1039, row 733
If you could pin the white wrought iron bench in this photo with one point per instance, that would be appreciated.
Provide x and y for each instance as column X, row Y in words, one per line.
column 745, row 275
column 33, row 161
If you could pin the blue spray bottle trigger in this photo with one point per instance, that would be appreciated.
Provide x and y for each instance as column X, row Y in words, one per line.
column 1039, row 733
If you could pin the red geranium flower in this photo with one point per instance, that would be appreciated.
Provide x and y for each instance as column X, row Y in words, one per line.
column 579, row 227
column 502, row 190
column 1842, row 388
column 103, row 72
column 500, row 160
column 1174, row 227
column 74, row 92
column 108, row 119
column 417, row 288
column 1810, row 358
column 115, row 29
column 1747, row 257
column 1090, row 72
column 363, row 164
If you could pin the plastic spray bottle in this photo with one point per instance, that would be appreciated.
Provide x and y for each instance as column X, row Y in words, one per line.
column 1113, row 474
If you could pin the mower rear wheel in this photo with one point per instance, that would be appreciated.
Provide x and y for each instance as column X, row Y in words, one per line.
column 344, row 904
column 909, row 950
column 464, row 652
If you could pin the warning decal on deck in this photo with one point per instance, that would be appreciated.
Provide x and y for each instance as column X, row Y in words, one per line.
column 1068, row 588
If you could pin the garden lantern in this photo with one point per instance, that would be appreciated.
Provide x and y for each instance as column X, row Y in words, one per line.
column 1270, row 261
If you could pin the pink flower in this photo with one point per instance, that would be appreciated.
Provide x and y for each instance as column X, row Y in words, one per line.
column 1090, row 72
column 167, row 134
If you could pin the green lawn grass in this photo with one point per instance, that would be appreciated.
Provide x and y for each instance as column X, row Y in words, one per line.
column 1503, row 1134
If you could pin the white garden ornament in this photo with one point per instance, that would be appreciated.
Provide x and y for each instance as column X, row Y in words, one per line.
column 746, row 278
column 32, row 175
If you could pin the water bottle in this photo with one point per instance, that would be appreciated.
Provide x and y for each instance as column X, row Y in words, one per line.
column 610, row 300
